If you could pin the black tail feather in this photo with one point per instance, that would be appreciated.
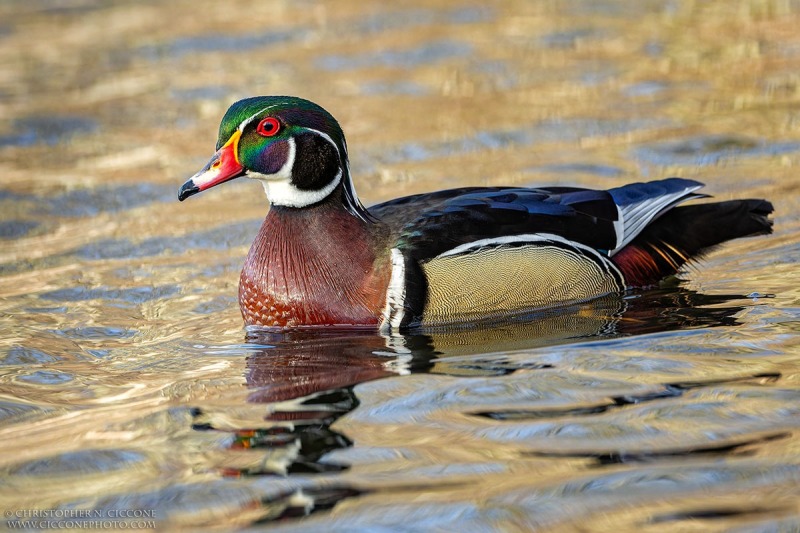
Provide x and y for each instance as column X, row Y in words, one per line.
column 686, row 232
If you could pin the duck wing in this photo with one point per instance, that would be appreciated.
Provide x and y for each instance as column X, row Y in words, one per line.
column 426, row 225
column 479, row 251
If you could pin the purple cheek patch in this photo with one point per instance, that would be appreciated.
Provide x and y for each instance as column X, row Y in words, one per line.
column 274, row 157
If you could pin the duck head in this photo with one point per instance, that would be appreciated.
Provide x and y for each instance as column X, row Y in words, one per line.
column 294, row 147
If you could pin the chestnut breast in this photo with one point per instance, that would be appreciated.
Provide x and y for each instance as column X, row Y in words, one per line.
column 314, row 266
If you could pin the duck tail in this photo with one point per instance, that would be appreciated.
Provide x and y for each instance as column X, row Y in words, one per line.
column 686, row 233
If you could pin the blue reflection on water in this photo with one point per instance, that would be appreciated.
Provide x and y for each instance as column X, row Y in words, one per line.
column 547, row 131
column 645, row 88
column 83, row 461
column 219, row 238
column 567, row 39
column 221, row 43
column 604, row 171
column 710, row 149
column 206, row 92
column 94, row 333
column 22, row 355
column 47, row 130
column 136, row 295
column 47, row 377
column 14, row 229
column 427, row 53
column 399, row 87
column 85, row 202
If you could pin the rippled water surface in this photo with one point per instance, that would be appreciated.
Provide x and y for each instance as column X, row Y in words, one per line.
column 128, row 382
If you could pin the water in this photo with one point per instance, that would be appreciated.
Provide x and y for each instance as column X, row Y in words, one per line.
column 127, row 382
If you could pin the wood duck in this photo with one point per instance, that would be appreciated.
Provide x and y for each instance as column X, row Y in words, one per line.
column 322, row 258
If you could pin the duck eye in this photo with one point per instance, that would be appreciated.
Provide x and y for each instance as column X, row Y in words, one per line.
column 268, row 127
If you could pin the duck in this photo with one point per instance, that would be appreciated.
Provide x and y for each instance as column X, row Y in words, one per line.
column 445, row 257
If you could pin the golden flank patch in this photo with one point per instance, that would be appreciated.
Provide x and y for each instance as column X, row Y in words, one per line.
column 495, row 280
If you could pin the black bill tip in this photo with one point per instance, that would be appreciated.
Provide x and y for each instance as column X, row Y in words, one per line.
column 187, row 189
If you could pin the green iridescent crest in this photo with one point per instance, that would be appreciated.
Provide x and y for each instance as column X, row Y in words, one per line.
column 291, row 110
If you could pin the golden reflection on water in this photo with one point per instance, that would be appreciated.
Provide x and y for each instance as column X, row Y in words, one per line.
column 126, row 379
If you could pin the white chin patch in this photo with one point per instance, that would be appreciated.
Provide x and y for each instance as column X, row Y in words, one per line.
column 285, row 194
column 281, row 191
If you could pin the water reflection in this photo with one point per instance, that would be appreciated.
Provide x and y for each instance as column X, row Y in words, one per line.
column 125, row 383
column 711, row 149
column 48, row 130
column 304, row 380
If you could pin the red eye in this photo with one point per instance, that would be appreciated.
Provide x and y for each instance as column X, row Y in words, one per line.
column 268, row 127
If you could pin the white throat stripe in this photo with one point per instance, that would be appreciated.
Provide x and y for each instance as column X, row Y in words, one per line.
column 279, row 187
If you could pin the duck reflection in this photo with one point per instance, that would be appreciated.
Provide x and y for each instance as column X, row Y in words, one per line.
column 305, row 378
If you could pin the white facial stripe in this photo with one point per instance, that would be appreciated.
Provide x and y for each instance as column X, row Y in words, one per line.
column 252, row 117
column 279, row 187
column 347, row 161
column 280, row 190
column 350, row 187
column 327, row 138
column 351, row 190
column 285, row 173
column 394, row 311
